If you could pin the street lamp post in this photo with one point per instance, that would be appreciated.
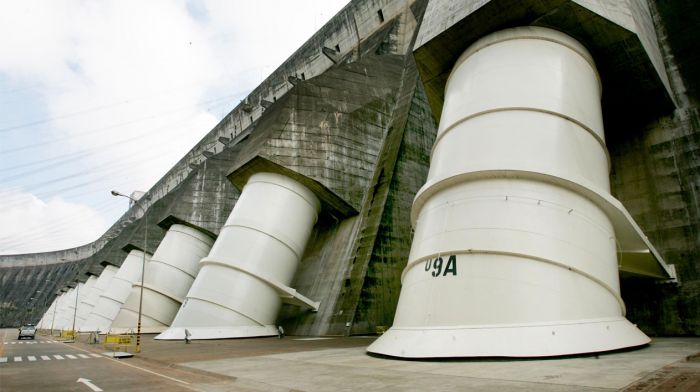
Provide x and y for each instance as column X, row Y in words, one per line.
column 55, row 306
column 143, row 264
column 75, row 310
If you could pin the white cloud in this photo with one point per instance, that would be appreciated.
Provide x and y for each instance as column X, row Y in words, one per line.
column 139, row 82
column 29, row 225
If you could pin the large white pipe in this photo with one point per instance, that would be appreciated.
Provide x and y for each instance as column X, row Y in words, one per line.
column 64, row 317
column 45, row 322
column 61, row 321
column 55, row 314
column 237, row 291
column 90, row 300
column 61, row 311
column 70, row 313
column 83, row 293
column 169, row 276
column 40, row 323
column 511, row 256
column 112, row 299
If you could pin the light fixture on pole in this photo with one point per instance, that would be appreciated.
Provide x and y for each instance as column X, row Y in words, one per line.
column 143, row 264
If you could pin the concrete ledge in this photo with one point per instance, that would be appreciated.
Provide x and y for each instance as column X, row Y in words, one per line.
column 632, row 83
column 330, row 202
column 172, row 219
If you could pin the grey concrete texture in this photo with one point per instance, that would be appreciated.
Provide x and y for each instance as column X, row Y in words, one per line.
column 656, row 175
column 351, row 369
column 26, row 292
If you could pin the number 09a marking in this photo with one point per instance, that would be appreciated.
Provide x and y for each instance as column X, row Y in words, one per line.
column 437, row 264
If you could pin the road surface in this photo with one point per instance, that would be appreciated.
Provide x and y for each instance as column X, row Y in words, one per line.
column 45, row 364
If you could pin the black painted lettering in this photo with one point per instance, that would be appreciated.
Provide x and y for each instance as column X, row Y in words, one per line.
column 437, row 266
column 451, row 266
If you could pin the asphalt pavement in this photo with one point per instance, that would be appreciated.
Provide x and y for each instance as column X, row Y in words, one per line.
column 317, row 364
column 45, row 364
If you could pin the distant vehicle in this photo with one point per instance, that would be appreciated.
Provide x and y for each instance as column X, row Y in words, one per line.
column 27, row 331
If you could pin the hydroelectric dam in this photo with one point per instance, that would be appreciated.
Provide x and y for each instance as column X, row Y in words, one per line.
column 470, row 178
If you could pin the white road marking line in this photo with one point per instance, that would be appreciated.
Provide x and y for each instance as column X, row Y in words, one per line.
column 3, row 359
column 147, row 371
column 13, row 342
column 18, row 359
column 135, row 367
column 89, row 384
column 31, row 358
column 69, row 356
column 58, row 356
column 45, row 357
column 83, row 356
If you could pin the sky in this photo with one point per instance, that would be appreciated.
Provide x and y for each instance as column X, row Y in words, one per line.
column 102, row 95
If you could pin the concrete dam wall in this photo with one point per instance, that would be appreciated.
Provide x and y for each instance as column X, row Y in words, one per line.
column 352, row 117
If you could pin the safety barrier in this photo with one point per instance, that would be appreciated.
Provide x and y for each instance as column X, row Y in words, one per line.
column 119, row 342
column 67, row 334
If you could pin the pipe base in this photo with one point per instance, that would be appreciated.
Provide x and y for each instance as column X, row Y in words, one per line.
column 542, row 340
column 203, row 333
column 144, row 329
